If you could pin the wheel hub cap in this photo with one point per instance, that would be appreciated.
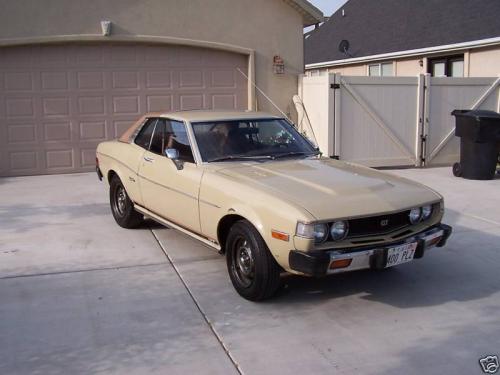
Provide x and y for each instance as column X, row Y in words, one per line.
column 121, row 200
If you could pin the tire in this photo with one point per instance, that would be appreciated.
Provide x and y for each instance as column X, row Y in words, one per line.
column 122, row 207
column 252, row 268
column 457, row 170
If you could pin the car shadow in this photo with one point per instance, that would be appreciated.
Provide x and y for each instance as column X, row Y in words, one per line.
column 465, row 269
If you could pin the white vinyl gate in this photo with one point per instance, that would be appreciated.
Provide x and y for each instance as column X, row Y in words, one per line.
column 392, row 121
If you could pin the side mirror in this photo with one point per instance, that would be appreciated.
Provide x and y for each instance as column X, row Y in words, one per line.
column 173, row 154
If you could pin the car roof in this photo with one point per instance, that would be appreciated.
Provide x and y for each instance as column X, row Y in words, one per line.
column 212, row 115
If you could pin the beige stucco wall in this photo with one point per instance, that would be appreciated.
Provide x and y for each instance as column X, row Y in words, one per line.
column 478, row 62
column 484, row 62
column 408, row 67
column 268, row 27
column 350, row 70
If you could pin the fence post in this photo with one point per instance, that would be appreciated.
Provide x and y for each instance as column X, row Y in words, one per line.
column 419, row 137
column 426, row 125
column 336, row 123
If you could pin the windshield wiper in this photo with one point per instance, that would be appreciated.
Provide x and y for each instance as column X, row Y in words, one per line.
column 295, row 153
column 241, row 157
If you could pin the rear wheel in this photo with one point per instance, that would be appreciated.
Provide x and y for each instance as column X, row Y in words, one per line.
column 121, row 205
column 253, row 270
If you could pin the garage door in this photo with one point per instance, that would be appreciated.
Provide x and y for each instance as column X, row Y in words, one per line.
column 57, row 102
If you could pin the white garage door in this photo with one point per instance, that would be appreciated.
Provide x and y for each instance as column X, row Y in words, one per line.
column 57, row 102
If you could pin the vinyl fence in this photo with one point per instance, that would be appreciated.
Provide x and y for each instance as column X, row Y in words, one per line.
column 391, row 121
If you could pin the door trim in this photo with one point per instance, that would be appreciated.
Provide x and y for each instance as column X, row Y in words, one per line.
column 206, row 240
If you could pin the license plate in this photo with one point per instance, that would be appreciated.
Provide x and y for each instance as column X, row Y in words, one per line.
column 400, row 254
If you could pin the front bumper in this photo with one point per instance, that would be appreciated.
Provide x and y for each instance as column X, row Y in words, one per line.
column 319, row 263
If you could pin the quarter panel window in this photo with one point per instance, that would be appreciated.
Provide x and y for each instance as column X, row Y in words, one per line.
column 143, row 139
column 158, row 139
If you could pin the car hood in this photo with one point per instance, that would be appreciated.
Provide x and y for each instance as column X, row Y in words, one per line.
column 329, row 188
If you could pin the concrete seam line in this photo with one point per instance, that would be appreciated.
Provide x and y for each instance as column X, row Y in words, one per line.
column 482, row 219
column 198, row 306
column 81, row 270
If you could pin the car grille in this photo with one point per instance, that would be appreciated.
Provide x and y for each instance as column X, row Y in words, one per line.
column 375, row 225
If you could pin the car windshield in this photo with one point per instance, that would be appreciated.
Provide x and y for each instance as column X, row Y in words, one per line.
column 250, row 139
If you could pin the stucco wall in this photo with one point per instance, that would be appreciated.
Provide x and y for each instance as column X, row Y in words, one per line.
column 478, row 62
column 408, row 67
column 268, row 27
column 350, row 70
column 484, row 62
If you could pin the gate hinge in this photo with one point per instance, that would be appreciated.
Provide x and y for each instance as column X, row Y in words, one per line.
column 335, row 86
column 422, row 160
column 423, row 138
column 336, row 157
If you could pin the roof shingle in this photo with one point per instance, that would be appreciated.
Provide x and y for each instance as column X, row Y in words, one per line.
column 384, row 26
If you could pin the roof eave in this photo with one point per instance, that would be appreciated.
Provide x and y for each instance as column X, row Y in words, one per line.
column 310, row 14
column 408, row 53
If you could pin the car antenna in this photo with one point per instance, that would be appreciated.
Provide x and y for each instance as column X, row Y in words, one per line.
column 274, row 104
column 264, row 94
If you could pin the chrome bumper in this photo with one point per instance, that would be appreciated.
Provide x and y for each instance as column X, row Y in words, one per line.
column 322, row 263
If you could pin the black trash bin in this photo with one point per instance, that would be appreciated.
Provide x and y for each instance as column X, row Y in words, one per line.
column 479, row 132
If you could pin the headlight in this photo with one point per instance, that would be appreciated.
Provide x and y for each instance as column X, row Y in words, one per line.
column 426, row 212
column 316, row 232
column 415, row 215
column 339, row 230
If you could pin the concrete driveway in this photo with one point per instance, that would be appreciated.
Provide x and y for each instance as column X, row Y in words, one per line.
column 78, row 294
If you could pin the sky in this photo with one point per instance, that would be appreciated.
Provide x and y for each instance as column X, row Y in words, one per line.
column 328, row 7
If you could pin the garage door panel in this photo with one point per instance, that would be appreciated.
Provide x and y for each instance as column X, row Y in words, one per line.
column 89, row 80
column 19, row 107
column 91, row 105
column 23, row 161
column 57, row 102
column 19, row 81
column 54, row 80
column 159, row 103
column 159, row 79
column 60, row 159
column 125, row 80
column 53, row 55
column 17, row 57
column 56, row 107
column 93, row 131
column 126, row 105
column 21, row 133
column 223, row 101
column 57, row 132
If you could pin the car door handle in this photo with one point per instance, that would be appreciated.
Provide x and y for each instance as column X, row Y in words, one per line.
column 148, row 159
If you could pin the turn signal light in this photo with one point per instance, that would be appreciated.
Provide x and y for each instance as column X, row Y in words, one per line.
column 434, row 241
column 280, row 235
column 341, row 263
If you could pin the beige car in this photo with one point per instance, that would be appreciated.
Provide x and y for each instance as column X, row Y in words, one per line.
column 249, row 185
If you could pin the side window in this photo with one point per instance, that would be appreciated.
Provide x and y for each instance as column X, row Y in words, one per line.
column 177, row 137
column 143, row 139
column 158, row 139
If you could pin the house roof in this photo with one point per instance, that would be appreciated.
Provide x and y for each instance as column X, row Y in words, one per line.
column 388, row 26
column 310, row 14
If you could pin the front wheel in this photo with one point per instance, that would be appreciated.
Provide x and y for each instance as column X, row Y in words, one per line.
column 121, row 205
column 253, row 270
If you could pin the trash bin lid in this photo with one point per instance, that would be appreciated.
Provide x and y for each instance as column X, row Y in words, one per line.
column 477, row 114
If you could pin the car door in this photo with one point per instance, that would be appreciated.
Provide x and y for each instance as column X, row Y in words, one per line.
column 167, row 191
column 130, row 157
